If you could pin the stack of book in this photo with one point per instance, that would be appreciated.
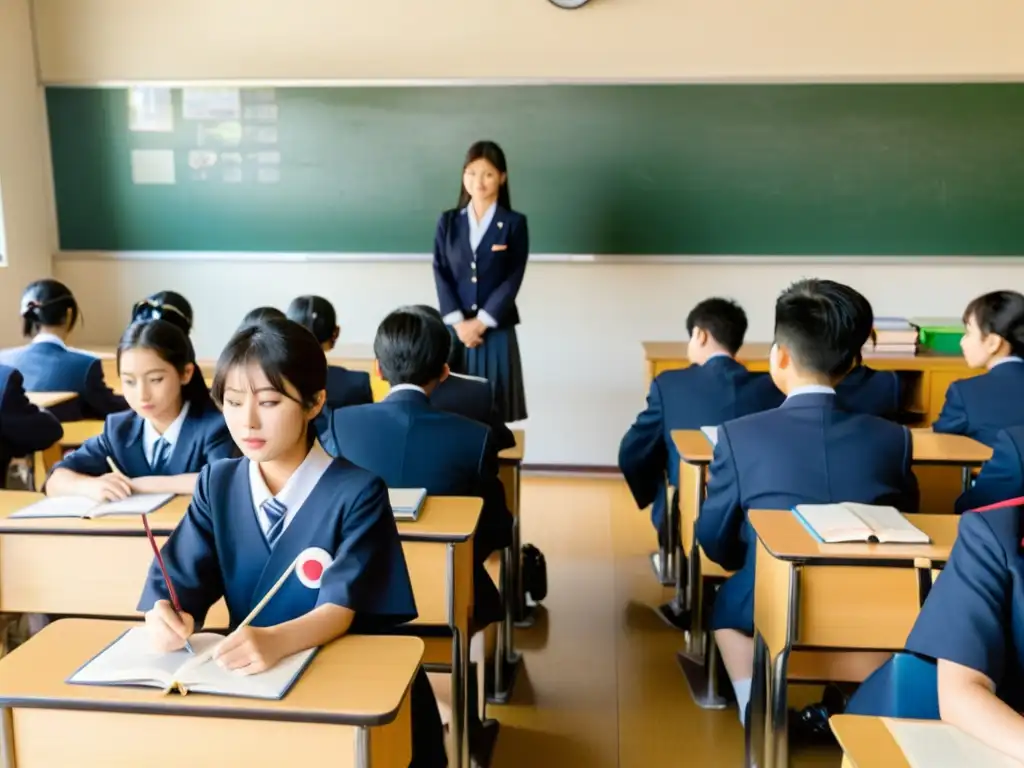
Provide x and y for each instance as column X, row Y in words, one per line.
column 893, row 336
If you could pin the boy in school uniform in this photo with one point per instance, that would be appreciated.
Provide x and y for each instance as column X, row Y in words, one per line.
column 863, row 389
column 24, row 428
column 807, row 451
column 1001, row 477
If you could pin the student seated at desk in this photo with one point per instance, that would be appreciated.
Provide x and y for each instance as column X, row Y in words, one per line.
column 863, row 389
column 251, row 517
column 24, row 428
column 1001, row 477
column 49, row 313
column 993, row 339
column 172, row 431
column 807, row 451
column 169, row 306
column 344, row 387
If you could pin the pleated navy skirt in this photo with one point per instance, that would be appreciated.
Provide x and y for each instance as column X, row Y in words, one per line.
column 498, row 361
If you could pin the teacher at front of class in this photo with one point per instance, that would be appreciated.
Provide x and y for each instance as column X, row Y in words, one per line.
column 480, row 253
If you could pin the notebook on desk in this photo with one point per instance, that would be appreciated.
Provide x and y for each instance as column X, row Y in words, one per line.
column 407, row 503
column 938, row 745
column 711, row 433
column 851, row 522
column 131, row 661
column 87, row 509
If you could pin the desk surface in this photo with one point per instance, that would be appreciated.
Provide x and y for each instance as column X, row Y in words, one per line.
column 77, row 432
column 929, row 448
column 358, row 680
column 517, row 451
column 786, row 539
column 867, row 742
column 50, row 399
column 757, row 352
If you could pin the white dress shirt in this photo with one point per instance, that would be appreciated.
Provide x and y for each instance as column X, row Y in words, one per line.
column 295, row 492
column 1007, row 359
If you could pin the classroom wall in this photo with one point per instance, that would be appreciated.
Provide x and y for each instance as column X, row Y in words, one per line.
column 583, row 322
column 24, row 181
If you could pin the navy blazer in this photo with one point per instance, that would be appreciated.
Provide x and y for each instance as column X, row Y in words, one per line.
column 24, row 428
column 487, row 279
column 411, row 444
column 49, row 367
column 203, row 438
column 807, row 451
column 865, row 390
column 473, row 397
column 1001, row 477
column 345, row 387
column 979, row 407
column 974, row 615
column 689, row 398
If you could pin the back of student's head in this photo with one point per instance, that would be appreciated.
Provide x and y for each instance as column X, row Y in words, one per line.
column 817, row 321
column 262, row 314
column 1000, row 313
column 165, row 305
column 283, row 350
column 411, row 347
column 46, row 304
column 864, row 321
column 317, row 314
column 171, row 345
column 722, row 319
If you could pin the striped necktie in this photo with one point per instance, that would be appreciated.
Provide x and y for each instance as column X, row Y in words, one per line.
column 161, row 453
column 275, row 512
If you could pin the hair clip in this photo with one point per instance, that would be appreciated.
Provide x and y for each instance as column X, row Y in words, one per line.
column 28, row 306
column 314, row 315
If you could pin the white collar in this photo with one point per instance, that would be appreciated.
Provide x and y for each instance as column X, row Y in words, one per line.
column 295, row 492
column 150, row 435
column 1008, row 359
column 713, row 355
column 49, row 338
column 407, row 388
column 811, row 389
column 485, row 220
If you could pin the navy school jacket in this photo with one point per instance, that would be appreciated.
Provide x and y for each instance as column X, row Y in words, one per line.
column 1001, row 477
column 980, row 406
column 24, row 428
column 345, row 387
column 487, row 279
column 689, row 398
column 807, row 451
column 865, row 390
column 473, row 397
column 49, row 367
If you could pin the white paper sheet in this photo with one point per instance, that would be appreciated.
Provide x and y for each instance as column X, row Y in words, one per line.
column 937, row 745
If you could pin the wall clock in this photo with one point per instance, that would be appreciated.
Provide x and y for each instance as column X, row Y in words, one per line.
column 570, row 4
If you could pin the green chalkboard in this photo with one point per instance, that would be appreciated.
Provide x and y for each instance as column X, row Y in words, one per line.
column 926, row 169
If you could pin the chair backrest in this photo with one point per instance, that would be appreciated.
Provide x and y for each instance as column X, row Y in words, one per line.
column 905, row 686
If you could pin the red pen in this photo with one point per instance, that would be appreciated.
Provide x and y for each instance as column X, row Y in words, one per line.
column 167, row 579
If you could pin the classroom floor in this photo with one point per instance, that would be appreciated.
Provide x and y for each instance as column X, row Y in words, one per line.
column 599, row 685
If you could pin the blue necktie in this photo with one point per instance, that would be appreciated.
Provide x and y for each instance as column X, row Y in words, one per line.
column 275, row 512
column 161, row 453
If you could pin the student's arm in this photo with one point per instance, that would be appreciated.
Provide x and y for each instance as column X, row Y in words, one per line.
column 516, row 256
column 447, row 293
column 953, row 418
column 98, row 396
column 180, row 485
column 494, row 531
column 721, row 520
column 24, row 428
column 365, row 396
column 85, row 472
column 1001, row 477
column 643, row 455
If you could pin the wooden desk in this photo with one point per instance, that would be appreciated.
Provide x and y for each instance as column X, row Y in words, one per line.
column 351, row 703
column 809, row 595
column 506, row 659
column 50, row 399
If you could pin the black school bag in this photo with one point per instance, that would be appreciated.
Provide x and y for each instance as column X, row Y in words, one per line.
column 534, row 573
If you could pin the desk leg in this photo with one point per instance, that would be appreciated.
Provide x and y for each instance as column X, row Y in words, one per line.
column 767, row 732
column 757, row 714
column 362, row 756
column 523, row 615
column 506, row 659
column 965, row 478
column 6, row 739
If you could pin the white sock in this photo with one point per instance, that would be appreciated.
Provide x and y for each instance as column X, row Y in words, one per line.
column 742, row 690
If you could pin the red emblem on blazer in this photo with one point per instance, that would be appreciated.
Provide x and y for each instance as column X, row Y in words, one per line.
column 311, row 565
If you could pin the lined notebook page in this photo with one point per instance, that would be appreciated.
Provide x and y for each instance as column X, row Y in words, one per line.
column 937, row 745
column 711, row 433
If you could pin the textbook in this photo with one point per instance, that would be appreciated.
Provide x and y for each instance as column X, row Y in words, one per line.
column 711, row 433
column 939, row 745
column 131, row 661
column 835, row 523
column 406, row 503
column 87, row 509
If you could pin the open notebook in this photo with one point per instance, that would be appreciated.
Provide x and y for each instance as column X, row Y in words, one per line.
column 130, row 660
column 834, row 523
column 406, row 503
column 86, row 508
column 711, row 433
column 937, row 745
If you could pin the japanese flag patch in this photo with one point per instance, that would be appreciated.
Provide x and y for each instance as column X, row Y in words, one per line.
column 310, row 566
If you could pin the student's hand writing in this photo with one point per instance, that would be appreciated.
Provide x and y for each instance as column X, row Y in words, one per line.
column 249, row 650
column 108, row 487
column 167, row 631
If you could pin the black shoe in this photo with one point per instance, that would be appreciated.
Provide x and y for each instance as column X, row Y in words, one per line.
column 675, row 618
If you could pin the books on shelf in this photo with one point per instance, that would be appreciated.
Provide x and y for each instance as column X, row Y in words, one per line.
column 893, row 336
column 87, row 509
column 852, row 522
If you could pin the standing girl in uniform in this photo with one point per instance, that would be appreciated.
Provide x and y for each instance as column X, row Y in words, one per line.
column 480, row 252
column 172, row 431
column 251, row 517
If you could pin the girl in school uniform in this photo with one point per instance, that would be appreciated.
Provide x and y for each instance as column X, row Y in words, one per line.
column 49, row 314
column 480, row 252
column 344, row 387
column 172, row 431
column 165, row 305
column 993, row 340
column 251, row 517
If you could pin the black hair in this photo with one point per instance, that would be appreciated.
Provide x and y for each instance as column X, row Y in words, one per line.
column 1001, row 313
column 262, row 314
column 492, row 153
column 168, row 341
column 165, row 305
column 723, row 319
column 411, row 347
column 317, row 314
column 46, row 303
column 285, row 351
column 864, row 322
column 819, row 322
